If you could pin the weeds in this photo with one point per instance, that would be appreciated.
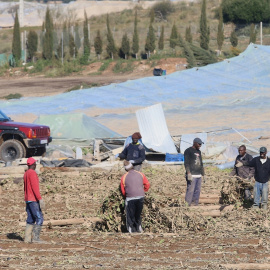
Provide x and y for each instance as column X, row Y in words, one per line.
column 105, row 65
column 123, row 66
column 13, row 96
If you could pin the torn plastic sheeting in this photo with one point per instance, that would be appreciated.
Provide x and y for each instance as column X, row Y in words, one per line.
column 187, row 141
column 154, row 130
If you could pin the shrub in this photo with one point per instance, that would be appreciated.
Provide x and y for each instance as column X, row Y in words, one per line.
column 105, row 65
column 163, row 9
column 13, row 96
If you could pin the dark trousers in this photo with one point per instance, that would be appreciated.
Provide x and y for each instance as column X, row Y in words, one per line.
column 34, row 214
column 193, row 191
column 133, row 215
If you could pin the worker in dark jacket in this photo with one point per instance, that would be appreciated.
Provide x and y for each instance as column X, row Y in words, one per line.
column 262, row 176
column 243, row 171
column 133, row 186
column 134, row 152
column 194, row 172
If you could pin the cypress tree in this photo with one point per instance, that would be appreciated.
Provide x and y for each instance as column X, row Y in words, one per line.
column 73, row 52
column 220, row 33
column 66, row 34
column 59, row 50
column 152, row 16
column 16, row 41
column 41, row 35
column 135, row 39
column 111, row 49
column 204, row 29
column 234, row 39
column 86, row 43
column 161, row 39
column 98, row 44
column 150, row 43
column 48, row 38
column 125, row 48
column 188, row 52
column 188, row 35
column 173, row 37
column 253, row 34
column 77, row 37
column 32, row 43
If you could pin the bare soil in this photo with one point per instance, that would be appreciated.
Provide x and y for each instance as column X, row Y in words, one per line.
column 240, row 236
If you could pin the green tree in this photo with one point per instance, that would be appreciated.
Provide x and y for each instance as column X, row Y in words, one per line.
column 252, row 34
column 16, row 41
column 234, row 39
column 77, row 37
column 173, row 37
column 152, row 15
column 86, row 43
column 66, row 34
column 32, row 43
column 163, row 9
column 135, row 39
column 220, row 33
column 125, row 47
column 161, row 39
column 204, row 29
column 98, row 44
column 73, row 52
column 41, row 35
column 188, row 52
column 48, row 37
column 60, row 50
column 150, row 43
column 188, row 35
column 111, row 49
column 246, row 11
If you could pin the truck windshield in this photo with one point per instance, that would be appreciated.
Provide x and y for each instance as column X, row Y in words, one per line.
column 3, row 117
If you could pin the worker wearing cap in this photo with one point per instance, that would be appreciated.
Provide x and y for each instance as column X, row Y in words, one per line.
column 242, row 170
column 262, row 175
column 133, row 185
column 134, row 152
column 34, row 203
column 194, row 172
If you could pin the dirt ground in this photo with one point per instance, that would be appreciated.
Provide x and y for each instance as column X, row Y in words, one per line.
column 238, row 237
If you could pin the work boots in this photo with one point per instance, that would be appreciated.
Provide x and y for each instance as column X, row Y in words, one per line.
column 36, row 234
column 28, row 233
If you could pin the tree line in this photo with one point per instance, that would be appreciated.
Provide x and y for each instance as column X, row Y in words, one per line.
column 53, row 48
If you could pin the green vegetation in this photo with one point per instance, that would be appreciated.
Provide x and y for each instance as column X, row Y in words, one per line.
column 188, row 35
column 86, row 42
column 220, row 34
column 204, row 29
column 161, row 39
column 13, row 96
column 253, row 34
column 234, row 39
column 246, row 11
column 48, row 38
column 32, row 39
column 111, row 49
column 173, row 37
column 98, row 44
column 16, row 42
column 135, row 39
column 105, row 65
column 122, row 66
column 83, row 86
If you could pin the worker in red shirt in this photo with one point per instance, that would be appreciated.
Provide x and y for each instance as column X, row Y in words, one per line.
column 133, row 186
column 34, row 203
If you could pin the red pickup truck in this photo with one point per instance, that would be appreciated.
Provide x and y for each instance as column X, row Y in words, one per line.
column 19, row 140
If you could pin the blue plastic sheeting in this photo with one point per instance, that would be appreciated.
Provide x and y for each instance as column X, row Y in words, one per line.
column 243, row 80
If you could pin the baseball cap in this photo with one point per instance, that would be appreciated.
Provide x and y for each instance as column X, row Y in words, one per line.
column 30, row 161
column 198, row 140
column 263, row 149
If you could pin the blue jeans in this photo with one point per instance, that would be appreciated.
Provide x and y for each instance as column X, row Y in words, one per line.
column 34, row 214
column 193, row 191
column 260, row 194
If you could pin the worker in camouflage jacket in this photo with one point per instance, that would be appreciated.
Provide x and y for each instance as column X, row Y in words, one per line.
column 242, row 170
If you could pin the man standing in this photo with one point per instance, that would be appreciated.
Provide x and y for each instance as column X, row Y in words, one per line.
column 262, row 175
column 242, row 170
column 134, row 152
column 194, row 172
column 34, row 203
column 133, row 186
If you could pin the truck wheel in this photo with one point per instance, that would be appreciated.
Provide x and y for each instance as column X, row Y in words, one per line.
column 11, row 150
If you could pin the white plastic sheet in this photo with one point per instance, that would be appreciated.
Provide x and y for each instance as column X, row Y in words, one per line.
column 154, row 130
column 187, row 141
